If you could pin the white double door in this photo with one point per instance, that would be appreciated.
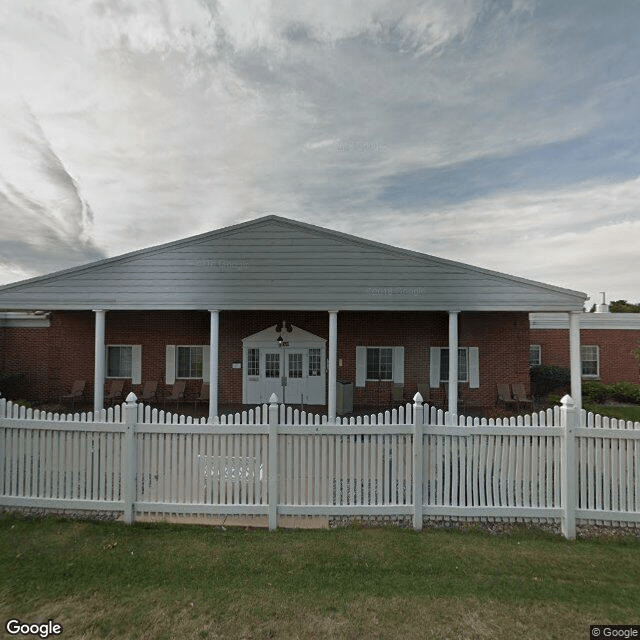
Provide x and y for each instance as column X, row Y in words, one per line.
column 284, row 375
column 295, row 370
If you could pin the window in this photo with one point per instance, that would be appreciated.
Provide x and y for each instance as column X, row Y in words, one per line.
column 463, row 374
column 295, row 365
column 272, row 365
column 253, row 362
column 189, row 362
column 314, row 362
column 379, row 363
column 590, row 357
column 535, row 355
column 119, row 361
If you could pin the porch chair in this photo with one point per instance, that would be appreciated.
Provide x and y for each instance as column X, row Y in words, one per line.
column 77, row 393
column 114, row 392
column 397, row 394
column 424, row 390
column 177, row 393
column 520, row 395
column 462, row 403
column 149, row 392
column 203, row 396
column 505, row 398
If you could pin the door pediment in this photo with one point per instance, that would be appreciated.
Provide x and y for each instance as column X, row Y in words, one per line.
column 296, row 337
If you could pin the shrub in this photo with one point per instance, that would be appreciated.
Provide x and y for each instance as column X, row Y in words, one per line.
column 598, row 393
column 553, row 399
column 594, row 392
column 546, row 378
column 624, row 391
column 9, row 383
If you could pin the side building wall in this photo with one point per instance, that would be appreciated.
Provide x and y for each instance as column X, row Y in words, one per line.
column 615, row 347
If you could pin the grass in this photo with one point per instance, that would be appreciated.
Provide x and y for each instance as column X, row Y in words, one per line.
column 107, row 580
column 627, row 412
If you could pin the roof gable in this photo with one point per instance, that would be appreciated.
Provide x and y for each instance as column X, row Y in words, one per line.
column 276, row 263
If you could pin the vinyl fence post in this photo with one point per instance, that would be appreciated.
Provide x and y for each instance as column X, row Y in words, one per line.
column 569, row 422
column 273, row 462
column 418, row 459
column 129, row 458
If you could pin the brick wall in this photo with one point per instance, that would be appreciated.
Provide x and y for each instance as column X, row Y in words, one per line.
column 503, row 341
column 617, row 362
column 53, row 358
column 50, row 358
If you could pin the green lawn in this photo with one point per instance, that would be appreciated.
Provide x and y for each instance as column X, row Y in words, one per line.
column 630, row 412
column 107, row 580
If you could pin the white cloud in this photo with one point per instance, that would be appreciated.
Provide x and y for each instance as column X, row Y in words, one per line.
column 172, row 118
column 583, row 239
column 419, row 26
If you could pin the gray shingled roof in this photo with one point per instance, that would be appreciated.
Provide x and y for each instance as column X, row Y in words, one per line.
column 277, row 263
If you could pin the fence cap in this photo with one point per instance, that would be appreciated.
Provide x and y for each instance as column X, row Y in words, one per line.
column 132, row 398
column 418, row 398
column 273, row 399
column 567, row 401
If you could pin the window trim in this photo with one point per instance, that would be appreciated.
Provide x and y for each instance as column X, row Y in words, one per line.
column 253, row 364
column 119, row 346
column 367, row 379
column 177, row 362
column 315, row 372
column 590, row 376
column 466, row 355
column 539, row 362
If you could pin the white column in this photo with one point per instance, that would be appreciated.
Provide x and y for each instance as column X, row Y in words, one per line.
column 99, row 364
column 574, row 358
column 453, row 362
column 213, row 363
column 333, row 365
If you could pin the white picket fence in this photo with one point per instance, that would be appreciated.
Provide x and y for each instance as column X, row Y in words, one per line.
column 271, row 461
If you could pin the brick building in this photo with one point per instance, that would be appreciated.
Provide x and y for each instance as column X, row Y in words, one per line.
column 608, row 341
column 279, row 306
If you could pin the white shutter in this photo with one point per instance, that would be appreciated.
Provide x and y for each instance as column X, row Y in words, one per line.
column 474, row 368
column 136, row 364
column 170, row 374
column 361, row 366
column 398, row 365
column 205, row 362
column 434, row 367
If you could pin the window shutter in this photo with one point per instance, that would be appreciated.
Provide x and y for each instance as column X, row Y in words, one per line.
column 434, row 367
column 361, row 366
column 205, row 362
column 136, row 364
column 170, row 376
column 474, row 368
column 398, row 365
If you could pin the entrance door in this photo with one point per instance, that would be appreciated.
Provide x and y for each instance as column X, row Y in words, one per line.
column 273, row 373
column 295, row 371
column 294, row 384
column 284, row 375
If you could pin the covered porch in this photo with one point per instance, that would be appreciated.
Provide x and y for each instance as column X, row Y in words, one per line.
column 374, row 315
column 225, row 369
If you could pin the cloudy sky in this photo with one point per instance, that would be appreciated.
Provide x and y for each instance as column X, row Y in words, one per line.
column 501, row 133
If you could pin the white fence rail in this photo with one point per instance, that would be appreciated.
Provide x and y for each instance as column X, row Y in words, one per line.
column 272, row 461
